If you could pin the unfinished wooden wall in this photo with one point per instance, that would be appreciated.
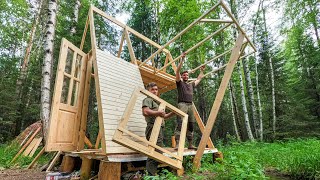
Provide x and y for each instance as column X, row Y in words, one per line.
column 118, row 78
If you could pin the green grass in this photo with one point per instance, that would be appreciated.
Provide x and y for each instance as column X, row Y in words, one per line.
column 7, row 152
column 299, row 159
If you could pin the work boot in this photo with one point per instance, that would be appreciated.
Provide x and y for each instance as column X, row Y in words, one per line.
column 190, row 145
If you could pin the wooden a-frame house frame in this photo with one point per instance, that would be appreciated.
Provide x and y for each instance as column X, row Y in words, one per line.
column 70, row 102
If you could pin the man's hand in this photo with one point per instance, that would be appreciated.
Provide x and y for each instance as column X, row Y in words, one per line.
column 161, row 113
column 183, row 56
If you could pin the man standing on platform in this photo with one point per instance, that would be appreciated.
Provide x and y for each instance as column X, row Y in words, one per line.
column 150, row 112
column 185, row 96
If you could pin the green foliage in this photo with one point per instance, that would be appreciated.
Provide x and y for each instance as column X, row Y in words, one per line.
column 7, row 152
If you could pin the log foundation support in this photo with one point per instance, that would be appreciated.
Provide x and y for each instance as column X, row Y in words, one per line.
column 109, row 170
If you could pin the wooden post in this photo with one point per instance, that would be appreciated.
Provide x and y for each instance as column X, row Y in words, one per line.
column 235, row 54
column 67, row 164
column 109, row 170
column 85, row 168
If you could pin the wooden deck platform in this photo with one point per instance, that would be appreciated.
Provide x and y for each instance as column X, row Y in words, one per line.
column 94, row 154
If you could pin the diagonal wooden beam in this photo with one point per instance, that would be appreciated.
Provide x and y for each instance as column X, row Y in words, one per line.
column 235, row 54
column 182, row 32
column 131, row 52
column 197, row 45
column 121, row 44
column 224, row 6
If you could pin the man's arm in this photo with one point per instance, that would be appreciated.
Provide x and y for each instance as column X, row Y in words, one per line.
column 146, row 111
column 178, row 77
column 169, row 115
column 200, row 76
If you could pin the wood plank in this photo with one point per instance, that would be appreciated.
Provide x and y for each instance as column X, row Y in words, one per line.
column 176, row 164
column 54, row 160
column 229, row 13
column 85, row 104
column 30, row 147
column 121, row 44
column 150, row 143
column 36, row 158
column 25, row 145
column 181, row 33
column 98, row 97
column 88, row 142
column 131, row 52
column 156, row 128
column 35, row 147
column 84, row 33
column 98, row 140
column 112, row 19
column 216, row 20
column 200, row 124
column 235, row 54
column 197, row 45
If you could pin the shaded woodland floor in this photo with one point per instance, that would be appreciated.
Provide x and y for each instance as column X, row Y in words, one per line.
column 22, row 174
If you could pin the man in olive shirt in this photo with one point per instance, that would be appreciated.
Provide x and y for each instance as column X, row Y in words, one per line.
column 185, row 96
column 150, row 112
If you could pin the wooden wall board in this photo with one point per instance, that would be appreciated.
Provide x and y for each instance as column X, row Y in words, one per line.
column 117, row 80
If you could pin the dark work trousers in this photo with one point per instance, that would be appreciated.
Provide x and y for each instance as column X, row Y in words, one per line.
column 186, row 108
column 152, row 164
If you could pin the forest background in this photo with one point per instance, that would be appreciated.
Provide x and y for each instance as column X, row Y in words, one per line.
column 273, row 94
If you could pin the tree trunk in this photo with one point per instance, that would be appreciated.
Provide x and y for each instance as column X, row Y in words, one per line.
column 258, row 98
column 47, row 66
column 244, row 106
column 257, row 75
column 273, row 100
column 75, row 16
column 251, row 97
column 233, row 115
column 24, row 66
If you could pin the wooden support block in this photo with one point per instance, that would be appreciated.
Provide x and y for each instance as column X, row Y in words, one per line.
column 36, row 158
column 180, row 172
column 109, row 170
column 85, row 168
column 67, row 164
column 217, row 157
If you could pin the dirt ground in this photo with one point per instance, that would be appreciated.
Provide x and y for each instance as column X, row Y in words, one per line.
column 22, row 174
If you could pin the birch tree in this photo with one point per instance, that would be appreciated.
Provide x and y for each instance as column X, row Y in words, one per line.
column 75, row 16
column 251, row 97
column 244, row 105
column 260, row 131
column 47, row 66
column 233, row 115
